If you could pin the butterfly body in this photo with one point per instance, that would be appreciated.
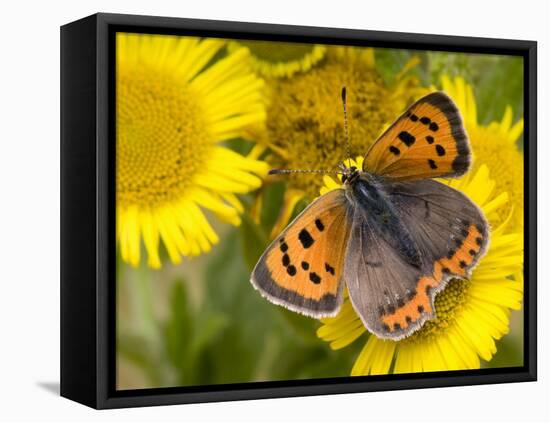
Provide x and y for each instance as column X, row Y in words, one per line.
column 369, row 198
column 392, row 234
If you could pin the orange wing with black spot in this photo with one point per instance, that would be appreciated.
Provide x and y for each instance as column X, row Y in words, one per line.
column 393, row 297
column 302, row 268
column 427, row 141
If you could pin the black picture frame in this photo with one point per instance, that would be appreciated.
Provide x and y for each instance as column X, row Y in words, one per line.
column 88, row 199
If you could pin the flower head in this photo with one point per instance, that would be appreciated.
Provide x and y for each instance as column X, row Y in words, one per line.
column 174, row 110
column 470, row 314
column 495, row 145
column 280, row 60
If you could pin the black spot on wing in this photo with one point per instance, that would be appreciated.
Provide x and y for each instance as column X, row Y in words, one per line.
column 315, row 278
column 394, row 150
column 432, row 164
column 319, row 225
column 407, row 138
column 286, row 260
column 329, row 269
column 305, row 265
column 440, row 150
column 291, row 270
column 305, row 238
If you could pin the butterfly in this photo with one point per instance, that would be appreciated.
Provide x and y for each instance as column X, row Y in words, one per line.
column 393, row 235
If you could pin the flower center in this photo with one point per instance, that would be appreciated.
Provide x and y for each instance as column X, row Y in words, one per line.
column 277, row 52
column 306, row 119
column 161, row 136
column 447, row 303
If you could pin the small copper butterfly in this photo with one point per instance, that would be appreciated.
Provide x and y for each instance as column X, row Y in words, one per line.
column 393, row 235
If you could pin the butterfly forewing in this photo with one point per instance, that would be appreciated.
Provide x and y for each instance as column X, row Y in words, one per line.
column 302, row 268
column 427, row 141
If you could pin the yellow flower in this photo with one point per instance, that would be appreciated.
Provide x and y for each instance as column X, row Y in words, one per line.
column 495, row 145
column 174, row 110
column 280, row 60
column 471, row 314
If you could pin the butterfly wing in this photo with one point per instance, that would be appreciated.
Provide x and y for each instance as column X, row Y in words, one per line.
column 393, row 297
column 379, row 281
column 302, row 268
column 427, row 141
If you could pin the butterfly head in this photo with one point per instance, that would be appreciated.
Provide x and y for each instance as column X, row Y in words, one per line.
column 349, row 174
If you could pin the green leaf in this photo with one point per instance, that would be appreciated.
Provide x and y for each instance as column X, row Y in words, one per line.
column 272, row 203
column 304, row 328
column 498, row 82
column 254, row 240
column 239, row 145
column 178, row 329
column 208, row 328
column 391, row 62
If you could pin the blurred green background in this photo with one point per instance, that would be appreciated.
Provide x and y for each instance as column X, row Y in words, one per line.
column 202, row 323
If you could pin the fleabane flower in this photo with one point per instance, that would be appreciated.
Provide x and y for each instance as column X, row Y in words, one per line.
column 176, row 104
column 494, row 145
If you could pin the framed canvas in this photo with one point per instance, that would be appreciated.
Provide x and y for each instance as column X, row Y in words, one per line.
column 257, row 211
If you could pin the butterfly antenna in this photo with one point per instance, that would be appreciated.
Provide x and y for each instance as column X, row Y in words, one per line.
column 286, row 171
column 348, row 153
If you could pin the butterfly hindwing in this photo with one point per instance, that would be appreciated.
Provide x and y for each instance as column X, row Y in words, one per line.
column 302, row 268
column 427, row 141
column 393, row 297
column 379, row 280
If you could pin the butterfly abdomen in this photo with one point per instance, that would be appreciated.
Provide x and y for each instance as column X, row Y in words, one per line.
column 373, row 202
